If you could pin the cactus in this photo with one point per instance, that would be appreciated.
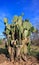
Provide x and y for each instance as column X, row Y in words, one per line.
column 15, row 18
column 5, row 20
column 19, row 31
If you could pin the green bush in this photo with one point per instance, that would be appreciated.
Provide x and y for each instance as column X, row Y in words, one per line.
column 0, row 41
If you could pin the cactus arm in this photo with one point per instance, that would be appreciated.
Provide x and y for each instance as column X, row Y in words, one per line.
column 33, row 29
column 15, row 18
column 5, row 21
column 27, row 25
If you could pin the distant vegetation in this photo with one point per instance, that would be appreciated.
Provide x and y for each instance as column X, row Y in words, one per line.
column 0, row 41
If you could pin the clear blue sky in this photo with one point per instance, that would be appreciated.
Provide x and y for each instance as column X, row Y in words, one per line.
column 9, row 8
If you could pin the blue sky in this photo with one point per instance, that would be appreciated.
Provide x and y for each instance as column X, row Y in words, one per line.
column 9, row 8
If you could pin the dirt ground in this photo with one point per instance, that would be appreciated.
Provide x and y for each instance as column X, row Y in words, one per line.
column 4, row 61
column 30, row 61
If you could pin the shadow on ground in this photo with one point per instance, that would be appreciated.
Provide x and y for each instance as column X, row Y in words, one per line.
column 37, row 56
column 5, row 52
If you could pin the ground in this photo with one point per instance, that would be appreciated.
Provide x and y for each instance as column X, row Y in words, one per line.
column 4, row 61
column 30, row 61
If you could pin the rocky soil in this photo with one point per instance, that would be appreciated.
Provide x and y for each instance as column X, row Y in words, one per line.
column 30, row 61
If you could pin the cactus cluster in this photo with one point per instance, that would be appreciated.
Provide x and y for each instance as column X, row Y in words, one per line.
column 18, row 36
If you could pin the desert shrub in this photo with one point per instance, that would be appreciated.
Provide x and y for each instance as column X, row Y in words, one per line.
column 0, row 41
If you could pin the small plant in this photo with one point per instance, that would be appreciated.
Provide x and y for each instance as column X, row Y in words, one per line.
column 0, row 41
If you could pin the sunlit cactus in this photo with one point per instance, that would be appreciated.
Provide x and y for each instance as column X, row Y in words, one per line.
column 5, row 20
column 27, row 25
column 19, row 31
column 15, row 18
